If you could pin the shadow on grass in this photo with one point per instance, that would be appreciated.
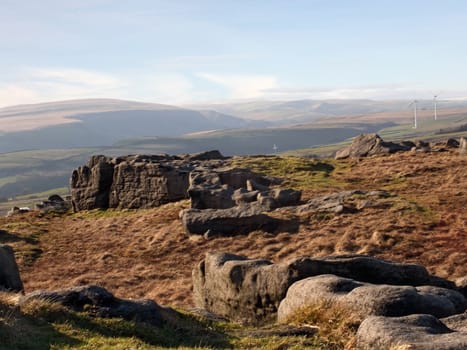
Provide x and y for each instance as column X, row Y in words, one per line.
column 7, row 237
column 25, row 332
column 323, row 167
column 178, row 332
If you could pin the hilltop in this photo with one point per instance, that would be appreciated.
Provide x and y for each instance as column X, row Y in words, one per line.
column 146, row 253
column 426, row 225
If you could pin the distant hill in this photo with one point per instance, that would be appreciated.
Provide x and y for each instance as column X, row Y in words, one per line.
column 305, row 111
column 101, row 122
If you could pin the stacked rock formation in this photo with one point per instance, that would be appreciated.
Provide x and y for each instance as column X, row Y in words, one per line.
column 139, row 181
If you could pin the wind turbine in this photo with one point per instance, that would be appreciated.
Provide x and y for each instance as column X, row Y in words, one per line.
column 414, row 103
column 435, row 107
column 275, row 148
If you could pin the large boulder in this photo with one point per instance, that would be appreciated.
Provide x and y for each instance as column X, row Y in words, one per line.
column 147, row 184
column 370, row 299
column 237, row 220
column 251, row 290
column 101, row 303
column 243, row 290
column 90, row 184
column 409, row 332
column 370, row 144
column 9, row 273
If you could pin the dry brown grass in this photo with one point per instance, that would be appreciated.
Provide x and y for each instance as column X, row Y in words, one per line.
column 146, row 253
column 337, row 323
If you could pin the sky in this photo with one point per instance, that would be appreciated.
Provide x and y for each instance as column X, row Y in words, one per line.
column 197, row 51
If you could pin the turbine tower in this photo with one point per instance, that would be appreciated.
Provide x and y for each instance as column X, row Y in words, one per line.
column 414, row 103
column 435, row 107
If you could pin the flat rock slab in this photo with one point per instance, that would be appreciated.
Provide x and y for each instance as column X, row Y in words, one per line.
column 409, row 332
column 370, row 299
column 238, row 220
column 102, row 303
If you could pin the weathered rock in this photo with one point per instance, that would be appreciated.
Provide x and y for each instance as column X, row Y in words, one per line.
column 370, row 299
column 206, row 191
column 243, row 196
column 461, row 284
column 102, row 303
column 90, row 184
column 147, row 185
column 370, row 144
column 208, row 155
column 9, row 274
column 251, row 290
column 228, row 222
column 240, row 289
column 338, row 202
column 452, row 143
column 252, row 185
column 286, row 197
column 456, row 322
column 463, row 145
column 238, row 177
column 18, row 210
column 54, row 203
column 137, row 181
column 409, row 332
column 211, row 198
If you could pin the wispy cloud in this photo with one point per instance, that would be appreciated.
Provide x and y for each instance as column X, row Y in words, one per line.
column 403, row 91
column 242, row 86
column 48, row 84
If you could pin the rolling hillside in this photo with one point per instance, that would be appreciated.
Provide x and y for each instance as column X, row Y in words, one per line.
column 91, row 123
column 65, row 134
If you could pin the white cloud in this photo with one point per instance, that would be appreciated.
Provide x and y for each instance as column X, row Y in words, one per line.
column 49, row 84
column 170, row 88
column 78, row 77
column 12, row 94
column 243, row 86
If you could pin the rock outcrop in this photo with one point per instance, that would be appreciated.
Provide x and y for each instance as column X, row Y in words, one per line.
column 251, row 290
column 371, row 144
column 9, row 274
column 139, row 181
column 370, row 299
column 102, row 303
column 409, row 332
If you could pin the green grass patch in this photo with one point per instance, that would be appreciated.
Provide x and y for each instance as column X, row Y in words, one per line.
column 299, row 173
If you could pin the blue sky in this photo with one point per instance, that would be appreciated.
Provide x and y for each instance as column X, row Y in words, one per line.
column 181, row 51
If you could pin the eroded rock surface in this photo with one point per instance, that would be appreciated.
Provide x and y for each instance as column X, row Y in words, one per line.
column 251, row 290
column 102, row 303
column 370, row 299
column 409, row 332
column 237, row 220
column 138, row 181
column 9, row 273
